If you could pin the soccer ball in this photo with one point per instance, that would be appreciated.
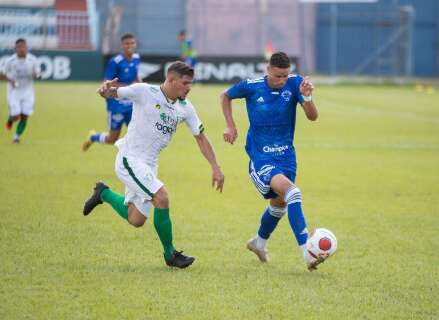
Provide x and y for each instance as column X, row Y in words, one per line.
column 321, row 244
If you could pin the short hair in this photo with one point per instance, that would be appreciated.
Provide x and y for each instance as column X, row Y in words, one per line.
column 182, row 33
column 181, row 68
column 280, row 60
column 127, row 35
column 20, row 40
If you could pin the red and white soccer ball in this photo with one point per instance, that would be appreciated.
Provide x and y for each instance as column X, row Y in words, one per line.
column 322, row 243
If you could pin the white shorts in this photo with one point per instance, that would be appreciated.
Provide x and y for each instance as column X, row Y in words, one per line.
column 21, row 102
column 140, row 182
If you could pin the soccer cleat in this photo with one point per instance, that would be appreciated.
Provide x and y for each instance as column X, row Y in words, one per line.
column 261, row 253
column 88, row 142
column 8, row 124
column 312, row 261
column 179, row 260
column 95, row 198
column 16, row 141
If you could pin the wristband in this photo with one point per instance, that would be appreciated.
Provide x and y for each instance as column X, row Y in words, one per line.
column 307, row 98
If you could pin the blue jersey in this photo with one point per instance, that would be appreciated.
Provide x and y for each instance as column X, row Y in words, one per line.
column 272, row 116
column 126, row 71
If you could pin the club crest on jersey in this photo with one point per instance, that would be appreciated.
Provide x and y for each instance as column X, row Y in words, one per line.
column 157, row 106
column 260, row 100
column 286, row 95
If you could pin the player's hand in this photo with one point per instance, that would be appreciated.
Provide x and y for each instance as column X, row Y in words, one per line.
column 230, row 134
column 217, row 178
column 306, row 87
column 13, row 83
column 106, row 89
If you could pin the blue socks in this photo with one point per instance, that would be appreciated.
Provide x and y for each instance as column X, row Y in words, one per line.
column 293, row 198
column 99, row 137
column 269, row 220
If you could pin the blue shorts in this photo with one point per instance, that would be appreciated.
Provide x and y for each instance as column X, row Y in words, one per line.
column 117, row 119
column 261, row 173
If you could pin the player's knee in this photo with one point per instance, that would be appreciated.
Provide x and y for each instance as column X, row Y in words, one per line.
column 23, row 117
column 16, row 118
column 136, row 223
column 160, row 199
column 135, row 217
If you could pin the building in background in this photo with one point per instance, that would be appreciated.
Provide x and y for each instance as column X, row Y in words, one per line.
column 371, row 37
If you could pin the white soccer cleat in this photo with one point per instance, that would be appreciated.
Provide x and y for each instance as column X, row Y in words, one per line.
column 262, row 253
column 312, row 261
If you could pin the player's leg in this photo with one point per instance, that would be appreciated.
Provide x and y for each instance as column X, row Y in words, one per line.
column 261, row 173
column 269, row 221
column 26, row 110
column 20, row 127
column 286, row 189
column 14, row 109
column 115, row 122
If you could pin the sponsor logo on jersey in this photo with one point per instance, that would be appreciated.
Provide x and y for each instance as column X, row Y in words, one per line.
column 163, row 128
column 286, row 95
column 275, row 149
column 169, row 124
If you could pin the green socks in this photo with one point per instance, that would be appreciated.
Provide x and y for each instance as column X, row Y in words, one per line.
column 163, row 226
column 21, row 126
column 162, row 221
column 116, row 201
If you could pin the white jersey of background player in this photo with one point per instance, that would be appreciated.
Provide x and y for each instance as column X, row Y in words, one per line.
column 20, row 70
column 157, row 110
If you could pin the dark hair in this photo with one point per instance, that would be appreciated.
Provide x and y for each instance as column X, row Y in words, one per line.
column 127, row 36
column 20, row 40
column 182, row 33
column 280, row 60
column 181, row 68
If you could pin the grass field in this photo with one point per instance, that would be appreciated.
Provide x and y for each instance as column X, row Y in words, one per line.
column 368, row 170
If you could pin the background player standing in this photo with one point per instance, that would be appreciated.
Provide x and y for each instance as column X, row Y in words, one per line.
column 271, row 106
column 188, row 53
column 157, row 111
column 124, row 67
column 20, row 70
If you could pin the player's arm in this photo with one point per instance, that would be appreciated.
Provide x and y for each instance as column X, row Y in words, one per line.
column 230, row 133
column 208, row 152
column 306, row 88
column 4, row 76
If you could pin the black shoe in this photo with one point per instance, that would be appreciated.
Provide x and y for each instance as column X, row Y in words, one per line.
column 95, row 198
column 179, row 260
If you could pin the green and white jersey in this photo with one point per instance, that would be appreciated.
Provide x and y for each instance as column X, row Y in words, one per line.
column 154, row 121
column 22, row 71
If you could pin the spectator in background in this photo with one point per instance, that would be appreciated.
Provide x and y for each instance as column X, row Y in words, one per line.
column 188, row 54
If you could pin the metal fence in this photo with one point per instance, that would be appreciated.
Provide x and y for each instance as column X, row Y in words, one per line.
column 47, row 29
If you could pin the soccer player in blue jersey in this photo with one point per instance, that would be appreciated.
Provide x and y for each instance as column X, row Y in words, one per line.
column 124, row 67
column 271, row 107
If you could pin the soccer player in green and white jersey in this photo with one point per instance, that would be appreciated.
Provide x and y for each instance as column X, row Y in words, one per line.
column 20, row 70
column 157, row 110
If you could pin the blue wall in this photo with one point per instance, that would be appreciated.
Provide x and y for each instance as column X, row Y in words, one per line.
column 155, row 23
column 363, row 28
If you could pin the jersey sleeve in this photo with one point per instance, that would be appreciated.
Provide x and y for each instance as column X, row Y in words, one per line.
column 297, row 84
column 132, row 92
column 111, row 70
column 239, row 90
column 7, row 68
column 192, row 121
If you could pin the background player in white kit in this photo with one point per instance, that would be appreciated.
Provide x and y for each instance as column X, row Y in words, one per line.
column 20, row 70
column 157, row 110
